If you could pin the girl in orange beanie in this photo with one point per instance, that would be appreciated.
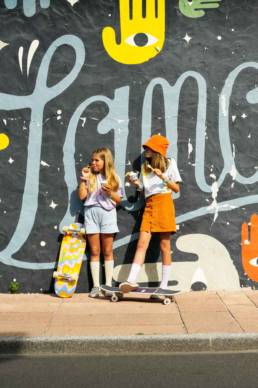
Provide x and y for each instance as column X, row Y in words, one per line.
column 159, row 178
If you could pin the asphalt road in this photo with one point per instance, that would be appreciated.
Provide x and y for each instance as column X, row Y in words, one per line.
column 138, row 371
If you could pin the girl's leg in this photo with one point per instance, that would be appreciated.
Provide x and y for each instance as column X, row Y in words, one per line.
column 165, row 247
column 107, row 250
column 138, row 260
column 94, row 242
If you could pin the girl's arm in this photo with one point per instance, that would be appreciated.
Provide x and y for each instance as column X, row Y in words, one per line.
column 170, row 184
column 83, row 186
column 83, row 190
column 113, row 195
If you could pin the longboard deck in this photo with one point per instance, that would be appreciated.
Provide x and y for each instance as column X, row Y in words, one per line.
column 70, row 260
column 116, row 294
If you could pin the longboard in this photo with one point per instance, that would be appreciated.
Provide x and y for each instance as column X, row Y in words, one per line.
column 70, row 260
column 115, row 294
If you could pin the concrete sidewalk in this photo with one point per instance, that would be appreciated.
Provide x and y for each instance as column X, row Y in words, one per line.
column 204, row 315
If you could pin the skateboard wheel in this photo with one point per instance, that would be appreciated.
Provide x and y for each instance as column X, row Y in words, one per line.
column 166, row 301
column 114, row 298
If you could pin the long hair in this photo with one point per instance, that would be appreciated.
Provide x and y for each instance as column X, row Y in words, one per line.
column 156, row 161
column 109, row 170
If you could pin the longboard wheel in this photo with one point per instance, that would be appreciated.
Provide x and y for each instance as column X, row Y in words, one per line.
column 166, row 301
column 114, row 298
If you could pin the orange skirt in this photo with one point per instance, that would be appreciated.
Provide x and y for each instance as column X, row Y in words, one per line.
column 159, row 214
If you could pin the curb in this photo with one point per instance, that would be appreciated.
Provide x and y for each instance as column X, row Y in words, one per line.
column 128, row 344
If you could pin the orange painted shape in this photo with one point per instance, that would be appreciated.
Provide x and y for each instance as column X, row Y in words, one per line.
column 250, row 248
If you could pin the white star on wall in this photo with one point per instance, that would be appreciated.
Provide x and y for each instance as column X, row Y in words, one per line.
column 187, row 38
column 53, row 205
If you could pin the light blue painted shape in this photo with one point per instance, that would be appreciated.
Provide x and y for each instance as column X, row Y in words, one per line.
column 41, row 95
column 10, row 4
column 29, row 6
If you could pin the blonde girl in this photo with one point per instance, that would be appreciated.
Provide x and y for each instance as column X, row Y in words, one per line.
column 159, row 178
column 100, row 190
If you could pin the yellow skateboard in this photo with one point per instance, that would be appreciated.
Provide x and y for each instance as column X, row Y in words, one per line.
column 70, row 260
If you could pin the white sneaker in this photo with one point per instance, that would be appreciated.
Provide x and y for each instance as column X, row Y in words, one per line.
column 128, row 287
column 95, row 292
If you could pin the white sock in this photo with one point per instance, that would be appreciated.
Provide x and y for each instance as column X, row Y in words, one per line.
column 94, row 267
column 165, row 276
column 135, row 269
column 109, row 266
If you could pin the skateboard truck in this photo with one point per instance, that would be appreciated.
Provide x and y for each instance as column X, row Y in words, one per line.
column 65, row 276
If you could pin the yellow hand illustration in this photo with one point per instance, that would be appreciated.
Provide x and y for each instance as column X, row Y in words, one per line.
column 142, row 38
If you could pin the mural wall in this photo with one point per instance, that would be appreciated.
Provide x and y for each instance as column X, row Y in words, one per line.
column 76, row 75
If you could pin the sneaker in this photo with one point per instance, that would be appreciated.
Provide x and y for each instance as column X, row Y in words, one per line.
column 128, row 287
column 95, row 292
column 109, row 290
column 161, row 291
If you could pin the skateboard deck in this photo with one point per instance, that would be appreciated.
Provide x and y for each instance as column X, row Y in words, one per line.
column 116, row 294
column 70, row 260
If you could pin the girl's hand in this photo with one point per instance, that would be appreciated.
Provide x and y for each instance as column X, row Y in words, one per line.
column 158, row 172
column 85, row 173
column 133, row 181
column 132, row 177
column 106, row 188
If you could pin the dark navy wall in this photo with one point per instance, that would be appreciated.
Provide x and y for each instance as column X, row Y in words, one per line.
column 69, row 84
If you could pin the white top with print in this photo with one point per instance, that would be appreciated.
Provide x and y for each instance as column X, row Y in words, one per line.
column 152, row 184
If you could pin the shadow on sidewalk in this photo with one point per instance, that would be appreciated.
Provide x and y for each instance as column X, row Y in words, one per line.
column 12, row 345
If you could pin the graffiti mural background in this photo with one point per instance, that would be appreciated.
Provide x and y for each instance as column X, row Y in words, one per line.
column 76, row 75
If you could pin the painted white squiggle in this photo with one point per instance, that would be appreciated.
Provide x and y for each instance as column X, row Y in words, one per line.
column 233, row 172
column 20, row 56
column 3, row 44
column 190, row 148
column 214, row 195
column 33, row 47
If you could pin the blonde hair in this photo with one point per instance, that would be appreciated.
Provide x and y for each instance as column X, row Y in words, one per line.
column 156, row 161
column 109, row 170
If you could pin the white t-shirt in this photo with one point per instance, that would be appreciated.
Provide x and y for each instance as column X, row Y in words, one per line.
column 152, row 184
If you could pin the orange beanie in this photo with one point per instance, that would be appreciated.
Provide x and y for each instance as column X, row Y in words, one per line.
column 158, row 144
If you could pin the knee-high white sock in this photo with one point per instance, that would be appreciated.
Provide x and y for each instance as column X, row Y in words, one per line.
column 135, row 269
column 165, row 276
column 94, row 267
column 109, row 266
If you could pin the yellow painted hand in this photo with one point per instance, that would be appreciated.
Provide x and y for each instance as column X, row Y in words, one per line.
column 195, row 8
column 142, row 38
